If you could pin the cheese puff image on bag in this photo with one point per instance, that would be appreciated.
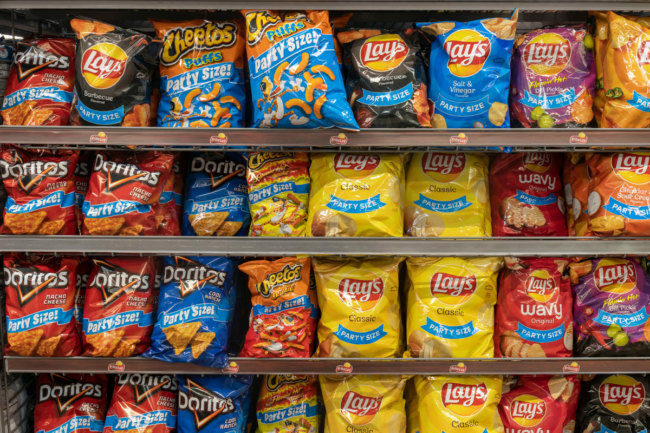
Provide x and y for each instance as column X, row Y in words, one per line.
column 288, row 404
column 294, row 75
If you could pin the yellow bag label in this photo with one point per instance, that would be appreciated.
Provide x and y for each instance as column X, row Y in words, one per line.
column 288, row 404
column 359, row 301
column 356, row 195
column 447, row 195
column 412, row 414
column 451, row 307
column 459, row 404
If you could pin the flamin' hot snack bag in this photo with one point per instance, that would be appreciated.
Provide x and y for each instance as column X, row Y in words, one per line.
column 287, row 403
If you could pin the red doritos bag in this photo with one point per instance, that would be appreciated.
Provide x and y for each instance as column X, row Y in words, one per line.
column 83, row 273
column 170, row 207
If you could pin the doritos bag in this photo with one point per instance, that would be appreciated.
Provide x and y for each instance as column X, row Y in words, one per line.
column 216, row 198
column 278, row 193
column 82, row 183
column 372, row 404
column 119, row 307
column 287, row 404
column 294, row 75
column 526, row 195
column 359, row 299
column 576, row 191
column 169, row 209
column 283, row 319
column 447, row 195
column 201, row 73
column 40, row 84
column 469, row 77
column 124, row 186
column 356, row 195
column 40, row 296
column 40, row 188
column 113, row 81
column 450, row 307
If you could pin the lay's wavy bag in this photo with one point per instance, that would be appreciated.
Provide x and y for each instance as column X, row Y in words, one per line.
column 288, row 404
column 295, row 78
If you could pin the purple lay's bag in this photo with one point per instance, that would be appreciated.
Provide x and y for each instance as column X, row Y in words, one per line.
column 610, row 310
column 553, row 78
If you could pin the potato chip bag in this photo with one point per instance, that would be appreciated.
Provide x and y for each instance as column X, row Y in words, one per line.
column 294, row 74
column 576, row 192
column 356, row 195
column 201, row 73
column 359, row 403
column 359, row 300
column 447, row 195
column 287, row 404
column 278, row 193
column 412, row 414
column 450, row 307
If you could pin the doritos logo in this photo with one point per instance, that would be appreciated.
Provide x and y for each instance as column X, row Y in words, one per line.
column 360, row 405
column 284, row 277
column 147, row 385
column 632, row 167
column 467, row 50
column 615, row 276
column 118, row 174
column 30, row 282
column 32, row 58
column 540, row 286
column 464, row 399
column 361, row 294
column 66, row 392
column 113, row 282
column 258, row 22
column 547, row 54
column 643, row 53
column 30, row 174
column 538, row 162
column 274, row 382
column 220, row 171
column 621, row 394
column 527, row 410
column 192, row 276
column 452, row 289
column 209, row 36
column 204, row 404
column 355, row 166
column 103, row 64
column 383, row 52
column 443, row 167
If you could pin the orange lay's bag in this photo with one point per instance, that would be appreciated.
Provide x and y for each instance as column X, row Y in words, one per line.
column 576, row 192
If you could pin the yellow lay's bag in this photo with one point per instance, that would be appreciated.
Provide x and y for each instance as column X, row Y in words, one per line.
column 412, row 414
column 356, row 195
column 459, row 404
column 288, row 404
column 447, row 195
column 359, row 301
column 364, row 404
column 450, row 308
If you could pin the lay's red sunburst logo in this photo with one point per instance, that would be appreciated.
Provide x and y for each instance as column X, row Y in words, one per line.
column 360, row 405
column 547, row 54
column 453, row 289
column 527, row 410
column 643, row 54
column 361, row 294
column 540, row 286
column 468, row 50
column 103, row 64
column 443, row 167
column 615, row 276
column 537, row 162
column 632, row 167
column 464, row 399
column 355, row 166
column 383, row 52
column 621, row 394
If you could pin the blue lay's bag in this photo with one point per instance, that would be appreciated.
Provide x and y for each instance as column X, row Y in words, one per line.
column 470, row 82
column 295, row 77
column 216, row 198
column 195, row 307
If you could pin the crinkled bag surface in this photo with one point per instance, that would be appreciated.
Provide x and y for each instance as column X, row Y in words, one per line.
column 288, row 403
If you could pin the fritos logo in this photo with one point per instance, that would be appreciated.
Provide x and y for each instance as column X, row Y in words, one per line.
column 527, row 410
column 361, row 294
column 361, row 404
column 547, row 54
column 643, row 54
column 383, row 52
column 540, row 286
column 103, row 64
column 538, row 162
column 464, row 399
column 468, row 50
column 443, row 167
column 453, row 288
column 632, row 167
column 621, row 394
column 615, row 276
column 355, row 166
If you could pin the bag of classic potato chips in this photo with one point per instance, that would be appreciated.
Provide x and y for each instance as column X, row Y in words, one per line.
column 216, row 197
column 356, row 195
column 41, row 191
column 294, row 75
column 113, row 75
column 372, row 404
column 447, row 195
column 201, row 73
column 359, row 299
column 194, row 312
column 40, row 296
column 288, row 404
column 450, row 307
column 40, row 83
column 469, row 77
column 576, row 178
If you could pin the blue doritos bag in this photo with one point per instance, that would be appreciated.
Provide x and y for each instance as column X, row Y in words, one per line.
column 216, row 196
column 195, row 308
column 215, row 404
column 470, row 72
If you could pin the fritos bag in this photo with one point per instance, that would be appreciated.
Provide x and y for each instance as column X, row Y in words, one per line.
column 447, row 195
column 41, row 82
column 287, row 404
column 278, row 193
column 450, row 307
column 294, row 75
column 576, row 192
column 526, row 195
column 359, row 300
column 201, row 73
column 41, row 191
column 356, row 195
column 40, row 297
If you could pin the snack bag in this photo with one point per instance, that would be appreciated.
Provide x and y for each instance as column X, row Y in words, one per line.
column 216, row 197
column 460, row 404
column 412, row 414
column 81, row 183
column 294, row 75
column 356, row 195
column 113, row 80
column 40, row 188
column 372, row 404
column 450, row 307
column 169, row 209
column 469, row 77
column 84, row 267
column 359, row 299
column 119, row 307
column 124, row 186
column 142, row 403
column 40, row 83
column 287, row 404
column 386, row 78
column 194, row 312
column 447, row 195
column 278, row 193
column 40, row 296
column 553, row 78
column 576, row 192
column 526, row 195
column 534, row 310
column 611, row 307
column 201, row 73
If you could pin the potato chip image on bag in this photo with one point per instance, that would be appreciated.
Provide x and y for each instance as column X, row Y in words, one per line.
column 288, row 403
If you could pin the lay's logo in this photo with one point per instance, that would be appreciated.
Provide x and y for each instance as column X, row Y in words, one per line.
column 464, row 399
column 443, row 167
column 615, row 276
column 643, row 54
column 527, row 410
column 540, row 286
column 103, row 64
column 468, row 50
column 361, row 294
column 621, row 394
column 360, row 405
column 452, row 289
column 547, row 54
column 383, row 52
column 632, row 167
column 538, row 162
column 355, row 166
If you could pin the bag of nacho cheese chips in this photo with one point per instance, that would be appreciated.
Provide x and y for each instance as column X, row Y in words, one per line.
column 412, row 414
column 169, row 210
column 288, row 404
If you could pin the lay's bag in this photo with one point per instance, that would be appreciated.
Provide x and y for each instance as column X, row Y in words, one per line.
column 288, row 404
column 294, row 74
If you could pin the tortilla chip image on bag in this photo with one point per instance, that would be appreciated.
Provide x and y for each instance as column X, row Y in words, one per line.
column 287, row 404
